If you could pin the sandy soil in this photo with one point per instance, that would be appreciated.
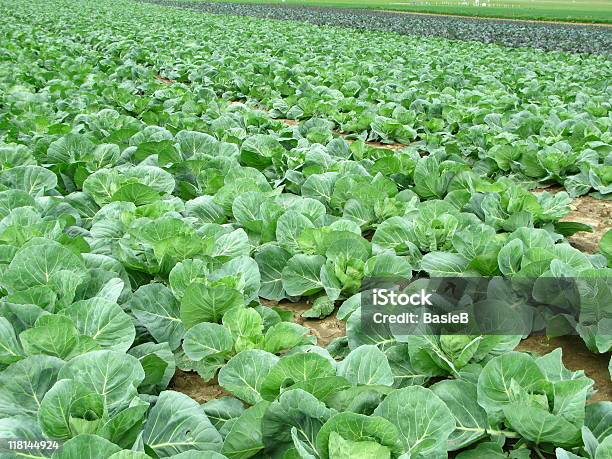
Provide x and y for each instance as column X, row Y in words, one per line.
column 325, row 330
column 191, row 384
column 585, row 209
column 288, row 122
column 594, row 212
column 575, row 356
column 163, row 80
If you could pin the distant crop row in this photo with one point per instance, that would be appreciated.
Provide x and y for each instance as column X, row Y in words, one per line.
column 148, row 224
column 548, row 36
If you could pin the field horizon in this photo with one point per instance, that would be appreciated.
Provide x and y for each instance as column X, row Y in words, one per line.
column 577, row 11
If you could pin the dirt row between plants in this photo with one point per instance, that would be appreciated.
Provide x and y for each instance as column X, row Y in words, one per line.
column 288, row 122
column 576, row 357
column 585, row 209
column 597, row 213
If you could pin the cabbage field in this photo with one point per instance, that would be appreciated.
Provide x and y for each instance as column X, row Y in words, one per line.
column 192, row 205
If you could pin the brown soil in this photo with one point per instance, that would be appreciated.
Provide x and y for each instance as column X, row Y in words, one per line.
column 594, row 212
column 164, row 80
column 388, row 146
column 190, row 383
column 576, row 356
column 325, row 330
column 286, row 121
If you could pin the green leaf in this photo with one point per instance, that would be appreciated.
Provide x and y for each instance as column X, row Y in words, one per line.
column 86, row 447
column 322, row 388
column 604, row 450
column 339, row 448
column 105, row 322
column 286, row 335
column 495, row 380
column 68, row 407
column 204, row 303
column 539, row 426
column 321, row 307
column 137, row 193
column 38, row 262
column 357, row 428
column 471, row 419
column 164, row 360
column 271, row 261
column 124, row 428
column 57, row 338
column 113, row 375
column 177, row 424
column 422, row 419
column 128, row 454
column 294, row 408
column 244, row 374
column 366, row 365
column 207, row 339
column 24, row 384
column 185, row 274
column 156, row 308
column 293, row 369
column 605, row 246
column 598, row 419
column 10, row 351
column 34, row 180
column 243, row 322
column 488, row 450
column 302, row 275
column 289, row 227
column 70, row 148
column 443, row 264
column 568, row 229
column 221, row 411
column 244, row 439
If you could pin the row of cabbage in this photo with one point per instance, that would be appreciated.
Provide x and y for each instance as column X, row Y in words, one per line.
column 143, row 223
column 539, row 117
column 548, row 36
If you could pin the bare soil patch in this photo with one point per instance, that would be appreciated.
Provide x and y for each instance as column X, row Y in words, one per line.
column 389, row 146
column 588, row 210
column 164, row 80
column 576, row 356
column 325, row 330
column 190, row 383
column 594, row 212
column 286, row 121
